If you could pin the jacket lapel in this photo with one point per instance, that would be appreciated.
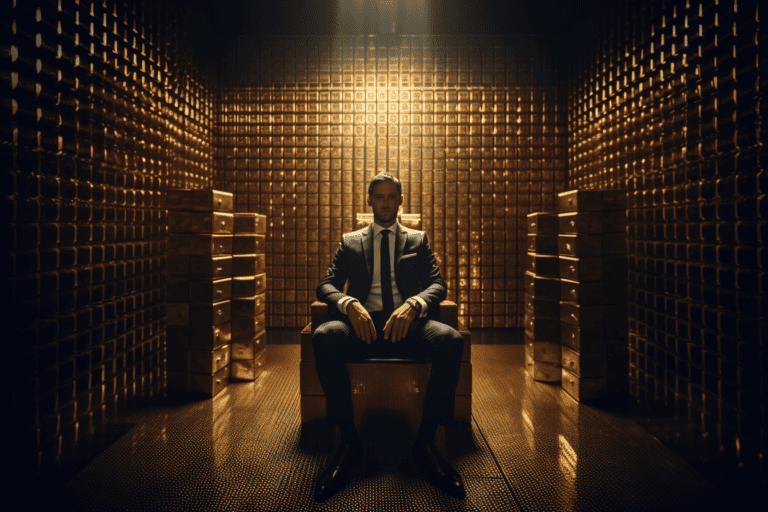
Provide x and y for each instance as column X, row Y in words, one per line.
column 400, row 238
column 368, row 249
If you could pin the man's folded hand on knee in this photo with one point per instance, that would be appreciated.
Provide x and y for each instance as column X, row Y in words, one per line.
column 361, row 322
column 398, row 324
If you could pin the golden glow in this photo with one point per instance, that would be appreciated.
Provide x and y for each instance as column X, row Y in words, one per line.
column 528, row 409
column 527, row 421
column 306, row 146
column 567, row 457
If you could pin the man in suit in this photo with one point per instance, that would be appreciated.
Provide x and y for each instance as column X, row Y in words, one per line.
column 386, row 314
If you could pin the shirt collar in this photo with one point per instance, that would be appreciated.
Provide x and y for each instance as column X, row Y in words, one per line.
column 378, row 229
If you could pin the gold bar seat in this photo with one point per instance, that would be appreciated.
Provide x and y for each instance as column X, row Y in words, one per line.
column 393, row 386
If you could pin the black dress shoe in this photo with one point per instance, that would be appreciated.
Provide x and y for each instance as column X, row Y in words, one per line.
column 437, row 471
column 336, row 474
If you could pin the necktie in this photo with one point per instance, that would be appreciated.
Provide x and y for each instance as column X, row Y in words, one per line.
column 385, row 274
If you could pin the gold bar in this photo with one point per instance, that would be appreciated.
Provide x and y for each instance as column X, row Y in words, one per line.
column 200, row 222
column 250, row 223
column 188, row 199
column 209, row 314
column 583, row 389
column 584, row 341
column 210, row 290
column 210, row 384
column 199, row 245
column 210, row 267
column 248, row 286
column 249, row 244
column 584, row 365
column 248, row 307
column 545, row 351
column 247, row 327
column 541, row 371
column 208, row 361
column 251, row 369
column 250, row 348
column 584, row 317
column 209, row 337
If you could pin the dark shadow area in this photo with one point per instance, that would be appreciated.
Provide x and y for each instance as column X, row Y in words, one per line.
column 688, row 441
column 387, row 440
column 89, row 447
column 317, row 437
column 216, row 28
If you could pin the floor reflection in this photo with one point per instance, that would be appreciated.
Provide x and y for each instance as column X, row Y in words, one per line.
column 529, row 447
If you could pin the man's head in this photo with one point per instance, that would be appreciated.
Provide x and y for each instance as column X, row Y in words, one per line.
column 385, row 195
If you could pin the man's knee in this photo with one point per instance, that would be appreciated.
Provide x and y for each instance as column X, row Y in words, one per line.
column 457, row 340
column 452, row 340
column 328, row 333
column 452, row 335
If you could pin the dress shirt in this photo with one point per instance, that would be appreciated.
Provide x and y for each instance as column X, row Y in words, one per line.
column 374, row 301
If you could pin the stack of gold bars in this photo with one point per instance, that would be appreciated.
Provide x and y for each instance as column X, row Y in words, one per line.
column 542, row 295
column 199, row 289
column 249, row 286
column 593, row 293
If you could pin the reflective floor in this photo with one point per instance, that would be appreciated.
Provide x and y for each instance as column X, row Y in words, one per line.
column 529, row 447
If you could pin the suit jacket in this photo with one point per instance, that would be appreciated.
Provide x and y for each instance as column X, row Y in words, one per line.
column 416, row 271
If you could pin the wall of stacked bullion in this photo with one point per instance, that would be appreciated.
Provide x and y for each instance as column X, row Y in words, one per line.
column 107, row 110
column 474, row 127
column 669, row 102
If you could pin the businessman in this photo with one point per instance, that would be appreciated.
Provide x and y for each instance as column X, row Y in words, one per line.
column 390, row 310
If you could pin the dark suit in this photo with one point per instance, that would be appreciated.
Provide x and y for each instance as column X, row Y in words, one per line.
column 335, row 342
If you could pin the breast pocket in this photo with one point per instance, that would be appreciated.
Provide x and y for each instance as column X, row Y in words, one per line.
column 407, row 266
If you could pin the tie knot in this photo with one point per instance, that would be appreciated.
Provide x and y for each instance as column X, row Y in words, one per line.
column 385, row 232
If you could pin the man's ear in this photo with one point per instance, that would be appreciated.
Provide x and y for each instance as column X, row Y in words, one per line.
column 369, row 202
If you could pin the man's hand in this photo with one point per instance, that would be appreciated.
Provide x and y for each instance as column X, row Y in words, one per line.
column 397, row 325
column 361, row 322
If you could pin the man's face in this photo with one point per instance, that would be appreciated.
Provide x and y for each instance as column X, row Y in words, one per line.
column 385, row 202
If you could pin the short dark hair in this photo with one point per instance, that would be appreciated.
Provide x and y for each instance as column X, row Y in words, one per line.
column 384, row 176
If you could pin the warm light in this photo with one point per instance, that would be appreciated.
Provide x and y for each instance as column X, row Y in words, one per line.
column 527, row 421
column 567, row 456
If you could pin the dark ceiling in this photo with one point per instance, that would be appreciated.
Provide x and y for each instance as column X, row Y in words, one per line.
column 216, row 24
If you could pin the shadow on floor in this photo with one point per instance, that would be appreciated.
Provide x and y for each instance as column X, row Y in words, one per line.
column 388, row 440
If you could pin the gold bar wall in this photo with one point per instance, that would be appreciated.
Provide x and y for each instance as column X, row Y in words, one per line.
column 107, row 110
column 669, row 102
column 474, row 126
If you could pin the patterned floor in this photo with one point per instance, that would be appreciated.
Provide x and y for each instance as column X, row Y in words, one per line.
column 529, row 447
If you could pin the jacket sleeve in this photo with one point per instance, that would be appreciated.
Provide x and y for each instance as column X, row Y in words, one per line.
column 329, row 289
column 433, row 287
